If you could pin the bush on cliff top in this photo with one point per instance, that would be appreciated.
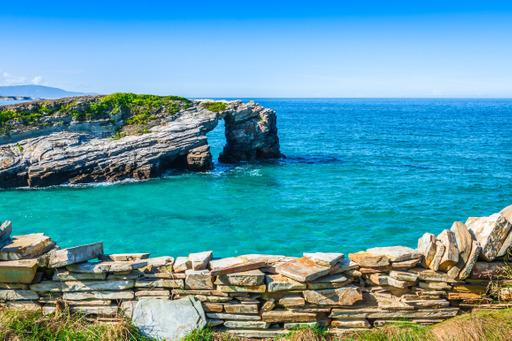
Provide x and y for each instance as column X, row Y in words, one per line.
column 215, row 106
column 135, row 108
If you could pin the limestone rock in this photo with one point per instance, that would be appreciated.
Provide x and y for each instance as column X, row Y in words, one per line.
column 235, row 264
column 464, row 240
column 302, row 270
column 98, row 295
column 341, row 296
column 491, row 232
column 5, row 232
column 427, row 247
column 329, row 282
column 72, row 255
column 486, row 270
column 198, row 279
column 18, row 295
column 395, row 253
column 277, row 316
column 451, row 253
column 233, row 288
column 182, row 264
column 246, row 324
column 241, row 308
column 404, row 276
column 369, row 260
column 290, row 301
column 60, row 150
column 26, row 246
column 233, row 317
column 18, row 271
column 276, row 283
column 125, row 257
column 97, row 285
column 71, row 276
column 168, row 320
column 406, row 264
column 160, row 283
column 200, row 260
column 324, row 258
column 246, row 278
column 436, row 261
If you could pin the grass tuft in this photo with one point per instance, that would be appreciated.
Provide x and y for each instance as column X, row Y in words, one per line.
column 215, row 106
column 16, row 325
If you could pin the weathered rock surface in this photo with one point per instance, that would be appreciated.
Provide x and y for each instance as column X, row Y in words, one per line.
column 491, row 232
column 77, row 254
column 63, row 149
column 168, row 320
column 26, row 246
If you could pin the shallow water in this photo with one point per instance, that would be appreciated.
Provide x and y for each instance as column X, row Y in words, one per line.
column 358, row 173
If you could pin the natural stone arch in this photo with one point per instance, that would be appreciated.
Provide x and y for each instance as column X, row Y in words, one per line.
column 84, row 152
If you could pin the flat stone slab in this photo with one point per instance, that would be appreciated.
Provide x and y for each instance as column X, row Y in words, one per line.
column 427, row 247
column 97, row 285
column 451, row 252
column 18, row 271
column 181, row 264
column 395, row 253
column 302, row 270
column 124, row 257
column 18, row 295
column 234, row 265
column 26, row 246
column 369, row 260
column 491, row 232
column 324, row 258
column 341, row 296
column 105, row 267
column 168, row 320
column 245, row 278
column 73, row 255
column 200, row 260
column 276, row 283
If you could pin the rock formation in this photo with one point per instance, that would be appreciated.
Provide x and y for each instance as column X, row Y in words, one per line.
column 122, row 136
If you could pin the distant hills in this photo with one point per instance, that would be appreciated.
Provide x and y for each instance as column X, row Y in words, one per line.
column 36, row 91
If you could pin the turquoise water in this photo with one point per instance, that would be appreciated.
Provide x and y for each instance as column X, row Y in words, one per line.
column 358, row 173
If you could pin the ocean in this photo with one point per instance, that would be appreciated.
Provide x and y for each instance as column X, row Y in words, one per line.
column 358, row 173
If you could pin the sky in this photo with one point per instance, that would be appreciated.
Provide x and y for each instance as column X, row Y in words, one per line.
column 346, row 48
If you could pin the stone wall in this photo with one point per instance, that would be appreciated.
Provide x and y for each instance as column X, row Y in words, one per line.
column 463, row 268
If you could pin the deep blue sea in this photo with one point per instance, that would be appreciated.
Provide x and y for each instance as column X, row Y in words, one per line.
column 358, row 173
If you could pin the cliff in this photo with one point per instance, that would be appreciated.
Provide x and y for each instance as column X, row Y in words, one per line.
column 120, row 136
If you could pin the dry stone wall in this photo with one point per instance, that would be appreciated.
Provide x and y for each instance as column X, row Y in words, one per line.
column 463, row 268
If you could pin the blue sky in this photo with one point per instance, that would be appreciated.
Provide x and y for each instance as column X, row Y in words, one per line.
column 261, row 49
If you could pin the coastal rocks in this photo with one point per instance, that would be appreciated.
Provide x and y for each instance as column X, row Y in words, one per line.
column 18, row 271
column 262, row 295
column 5, row 232
column 168, row 320
column 491, row 232
column 63, row 149
column 77, row 254
column 26, row 246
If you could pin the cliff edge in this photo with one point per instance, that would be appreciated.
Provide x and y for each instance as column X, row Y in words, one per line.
column 121, row 136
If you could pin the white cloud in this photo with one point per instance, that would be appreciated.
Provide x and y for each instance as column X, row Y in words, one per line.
column 7, row 78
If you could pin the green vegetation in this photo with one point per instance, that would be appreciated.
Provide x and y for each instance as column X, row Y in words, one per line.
column 27, row 325
column 131, row 109
column 492, row 325
column 215, row 106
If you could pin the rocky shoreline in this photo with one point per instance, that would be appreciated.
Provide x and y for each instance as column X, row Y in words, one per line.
column 463, row 268
column 125, row 136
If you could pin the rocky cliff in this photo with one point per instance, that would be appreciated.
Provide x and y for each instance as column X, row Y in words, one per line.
column 122, row 136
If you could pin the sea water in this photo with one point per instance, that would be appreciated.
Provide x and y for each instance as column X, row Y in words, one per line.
column 358, row 173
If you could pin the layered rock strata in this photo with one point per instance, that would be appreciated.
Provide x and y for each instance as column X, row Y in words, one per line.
column 264, row 296
column 125, row 136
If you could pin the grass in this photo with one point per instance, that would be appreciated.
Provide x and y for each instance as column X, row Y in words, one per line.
column 494, row 325
column 18, row 325
column 215, row 106
column 134, row 110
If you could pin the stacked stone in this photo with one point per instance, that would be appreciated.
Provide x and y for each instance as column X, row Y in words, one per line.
column 264, row 296
column 396, row 289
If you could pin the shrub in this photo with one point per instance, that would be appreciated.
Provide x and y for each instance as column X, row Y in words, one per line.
column 215, row 106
